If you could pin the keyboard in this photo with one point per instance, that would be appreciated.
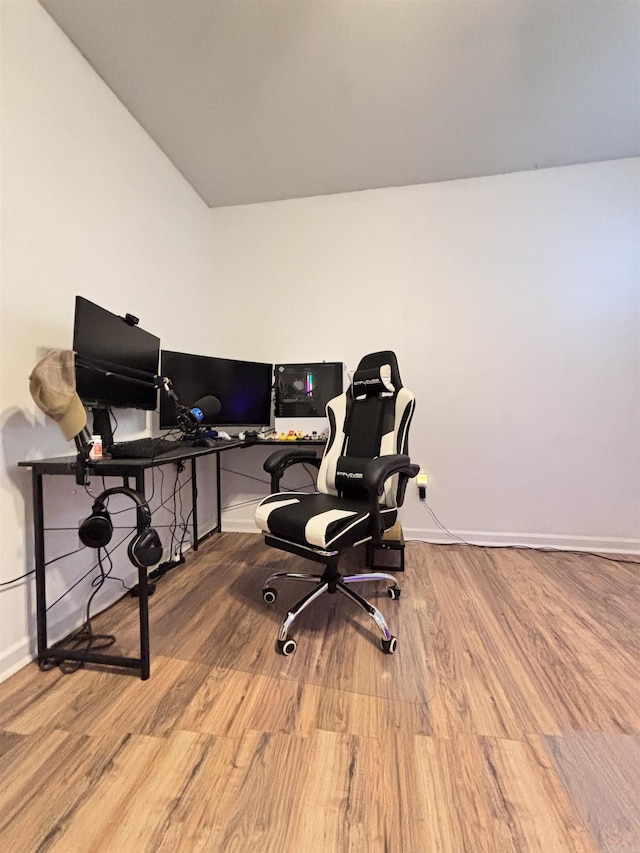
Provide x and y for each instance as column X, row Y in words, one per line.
column 145, row 448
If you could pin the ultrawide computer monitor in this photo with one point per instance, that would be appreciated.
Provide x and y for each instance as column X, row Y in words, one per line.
column 242, row 387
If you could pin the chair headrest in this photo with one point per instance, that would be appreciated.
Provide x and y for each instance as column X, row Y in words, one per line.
column 376, row 375
column 374, row 382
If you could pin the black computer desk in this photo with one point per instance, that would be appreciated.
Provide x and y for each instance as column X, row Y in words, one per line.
column 129, row 470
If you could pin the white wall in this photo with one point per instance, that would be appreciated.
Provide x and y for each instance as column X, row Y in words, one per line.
column 90, row 206
column 512, row 303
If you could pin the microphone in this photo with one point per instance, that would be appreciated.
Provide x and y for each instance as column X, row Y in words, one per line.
column 204, row 409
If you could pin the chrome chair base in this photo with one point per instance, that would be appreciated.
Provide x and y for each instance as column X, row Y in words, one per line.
column 330, row 583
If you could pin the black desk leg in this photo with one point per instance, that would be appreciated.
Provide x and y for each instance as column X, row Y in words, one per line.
column 143, row 596
column 218, row 502
column 194, row 504
column 41, row 594
column 143, row 604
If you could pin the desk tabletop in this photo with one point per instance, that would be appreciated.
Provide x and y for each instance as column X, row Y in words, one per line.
column 106, row 465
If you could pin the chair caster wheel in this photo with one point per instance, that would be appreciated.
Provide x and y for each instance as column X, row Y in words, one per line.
column 269, row 595
column 394, row 592
column 389, row 646
column 286, row 647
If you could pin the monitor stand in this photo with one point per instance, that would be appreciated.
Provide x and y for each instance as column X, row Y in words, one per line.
column 102, row 426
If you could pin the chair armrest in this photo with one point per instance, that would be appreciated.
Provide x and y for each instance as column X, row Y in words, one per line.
column 277, row 463
column 376, row 472
column 380, row 469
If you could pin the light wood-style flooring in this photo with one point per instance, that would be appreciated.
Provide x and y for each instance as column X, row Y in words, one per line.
column 508, row 720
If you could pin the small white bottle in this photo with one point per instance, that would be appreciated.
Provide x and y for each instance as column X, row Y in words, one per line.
column 96, row 447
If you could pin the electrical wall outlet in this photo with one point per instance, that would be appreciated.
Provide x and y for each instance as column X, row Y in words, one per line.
column 422, row 480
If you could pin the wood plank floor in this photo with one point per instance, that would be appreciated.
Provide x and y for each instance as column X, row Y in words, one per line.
column 508, row 720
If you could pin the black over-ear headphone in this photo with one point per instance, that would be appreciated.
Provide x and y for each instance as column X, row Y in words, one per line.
column 145, row 548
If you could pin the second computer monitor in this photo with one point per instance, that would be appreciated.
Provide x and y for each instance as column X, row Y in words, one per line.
column 242, row 387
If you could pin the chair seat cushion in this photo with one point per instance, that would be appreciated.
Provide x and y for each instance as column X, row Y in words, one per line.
column 319, row 520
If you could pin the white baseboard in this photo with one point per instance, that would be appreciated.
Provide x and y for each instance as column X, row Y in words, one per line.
column 563, row 542
column 25, row 650
column 239, row 525
column 16, row 657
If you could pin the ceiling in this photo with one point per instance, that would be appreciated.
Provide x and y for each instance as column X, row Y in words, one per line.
column 261, row 100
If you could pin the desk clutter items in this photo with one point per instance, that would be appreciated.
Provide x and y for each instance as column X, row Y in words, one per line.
column 96, row 447
column 300, row 435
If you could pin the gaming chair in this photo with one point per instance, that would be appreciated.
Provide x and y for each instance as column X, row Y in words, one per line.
column 361, row 482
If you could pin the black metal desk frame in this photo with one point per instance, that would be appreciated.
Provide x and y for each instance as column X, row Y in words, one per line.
column 127, row 469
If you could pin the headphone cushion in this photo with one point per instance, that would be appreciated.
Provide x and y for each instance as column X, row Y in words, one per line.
column 97, row 530
column 145, row 549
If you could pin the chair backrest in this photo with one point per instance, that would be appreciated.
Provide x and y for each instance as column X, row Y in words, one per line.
column 370, row 419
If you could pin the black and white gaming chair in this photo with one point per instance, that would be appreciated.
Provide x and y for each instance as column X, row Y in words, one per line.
column 361, row 482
